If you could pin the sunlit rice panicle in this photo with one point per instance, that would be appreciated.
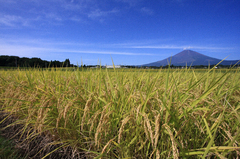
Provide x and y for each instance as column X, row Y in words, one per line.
column 157, row 128
column 158, row 154
column 105, row 147
column 100, row 125
column 146, row 130
column 86, row 110
column 124, row 122
column 66, row 109
column 149, row 127
column 174, row 144
column 138, row 110
column 92, row 121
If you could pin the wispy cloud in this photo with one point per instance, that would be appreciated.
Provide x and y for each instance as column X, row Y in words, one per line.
column 155, row 47
column 38, row 51
column 26, row 47
column 130, row 2
column 99, row 13
column 12, row 20
column 76, row 19
column 15, row 14
column 54, row 16
column 147, row 11
column 57, row 12
column 104, row 52
column 184, row 47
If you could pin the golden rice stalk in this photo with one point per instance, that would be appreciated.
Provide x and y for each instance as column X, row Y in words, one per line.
column 145, row 130
column 45, row 115
column 149, row 128
column 229, row 134
column 158, row 154
column 197, row 123
column 124, row 122
column 99, row 127
column 157, row 127
column 59, row 103
column 57, row 123
column 97, row 132
column 66, row 110
column 93, row 120
column 39, row 117
column 105, row 121
column 65, row 114
column 151, row 156
column 86, row 110
column 174, row 144
column 105, row 147
column 138, row 110
column 226, row 130
column 219, row 155
column 41, row 112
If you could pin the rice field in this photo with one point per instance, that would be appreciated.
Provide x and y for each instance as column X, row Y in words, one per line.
column 127, row 113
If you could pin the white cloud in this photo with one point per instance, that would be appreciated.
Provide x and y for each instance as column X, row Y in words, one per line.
column 26, row 47
column 76, row 19
column 29, row 51
column 187, row 48
column 156, row 47
column 72, row 6
column 38, row 13
column 184, row 47
column 54, row 16
column 130, row 2
column 57, row 12
column 101, row 52
column 12, row 20
column 146, row 10
column 99, row 13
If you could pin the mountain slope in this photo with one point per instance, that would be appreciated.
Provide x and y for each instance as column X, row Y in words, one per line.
column 190, row 57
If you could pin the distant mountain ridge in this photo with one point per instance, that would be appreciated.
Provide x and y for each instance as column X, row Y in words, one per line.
column 192, row 58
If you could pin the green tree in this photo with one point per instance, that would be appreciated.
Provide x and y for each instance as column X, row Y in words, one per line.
column 67, row 63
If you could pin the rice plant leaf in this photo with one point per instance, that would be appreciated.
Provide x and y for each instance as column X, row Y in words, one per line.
column 66, row 144
column 213, row 136
column 208, row 130
column 207, row 92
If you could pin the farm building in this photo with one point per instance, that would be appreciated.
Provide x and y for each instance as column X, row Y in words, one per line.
column 111, row 66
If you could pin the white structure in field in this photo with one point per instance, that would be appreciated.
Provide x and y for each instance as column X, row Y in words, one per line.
column 111, row 66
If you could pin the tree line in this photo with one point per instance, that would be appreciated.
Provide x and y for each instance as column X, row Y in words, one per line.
column 15, row 61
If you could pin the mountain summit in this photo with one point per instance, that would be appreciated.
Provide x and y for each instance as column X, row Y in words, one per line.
column 190, row 57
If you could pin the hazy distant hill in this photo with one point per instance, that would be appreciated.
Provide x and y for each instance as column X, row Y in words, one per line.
column 190, row 57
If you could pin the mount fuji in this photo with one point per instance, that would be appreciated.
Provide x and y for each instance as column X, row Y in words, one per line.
column 189, row 57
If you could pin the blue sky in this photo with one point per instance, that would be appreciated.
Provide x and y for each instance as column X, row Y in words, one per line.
column 132, row 32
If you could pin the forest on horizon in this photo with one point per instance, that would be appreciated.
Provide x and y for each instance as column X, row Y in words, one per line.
column 15, row 61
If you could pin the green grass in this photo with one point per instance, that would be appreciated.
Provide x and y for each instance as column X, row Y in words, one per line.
column 127, row 113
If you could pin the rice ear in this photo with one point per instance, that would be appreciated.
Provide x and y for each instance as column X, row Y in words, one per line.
column 124, row 122
column 86, row 110
column 149, row 128
column 157, row 128
column 174, row 144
